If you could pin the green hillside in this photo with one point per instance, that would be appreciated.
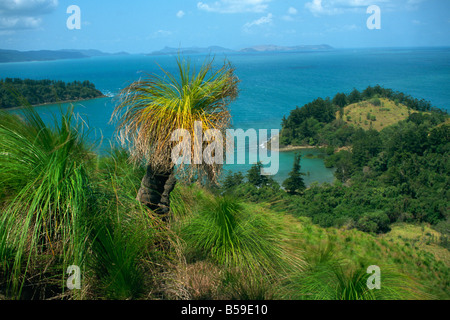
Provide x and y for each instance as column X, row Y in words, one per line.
column 377, row 113
column 411, row 250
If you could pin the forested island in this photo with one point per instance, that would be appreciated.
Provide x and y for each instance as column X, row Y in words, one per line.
column 21, row 92
column 389, row 170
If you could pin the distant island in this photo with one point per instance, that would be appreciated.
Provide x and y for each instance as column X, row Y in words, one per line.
column 190, row 50
column 48, row 55
column 21, row 92
column 274, row 48
column 261, row 48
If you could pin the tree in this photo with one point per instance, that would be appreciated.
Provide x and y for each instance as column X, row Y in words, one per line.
column 366, row 144
column 295, row 183
column 255, row 177
column 233, row 180
column 259, row 180
column 354, row 96
column 343, row 163
column 152, row 109
column 340, row 100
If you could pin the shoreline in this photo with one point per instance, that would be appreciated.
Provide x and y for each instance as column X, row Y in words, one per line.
column 290, row 147
column 293, row 148
column 55, row 103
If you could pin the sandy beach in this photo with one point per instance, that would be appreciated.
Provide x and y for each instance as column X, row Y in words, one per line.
column 289, row 147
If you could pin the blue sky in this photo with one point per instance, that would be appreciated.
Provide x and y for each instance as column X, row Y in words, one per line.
column 141, row 26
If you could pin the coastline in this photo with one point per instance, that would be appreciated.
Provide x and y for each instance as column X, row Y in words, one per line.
column 56, row 102
column 293, row 148
column 289, row 147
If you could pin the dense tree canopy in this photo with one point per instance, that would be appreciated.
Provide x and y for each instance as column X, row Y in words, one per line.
column 315, row 123
column 20, row 92
column 400, row 173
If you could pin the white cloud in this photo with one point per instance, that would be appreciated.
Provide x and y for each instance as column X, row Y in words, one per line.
column 22, row 7
column 261, row 21
column 180, row 14
column 24, row 14
column 331, row 7
column 292, row 11
column 162, row 33
column 234, row 6
column 19, row 23
column 314, row 6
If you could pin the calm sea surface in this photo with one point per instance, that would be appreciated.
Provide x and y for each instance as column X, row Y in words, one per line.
column 271, row 85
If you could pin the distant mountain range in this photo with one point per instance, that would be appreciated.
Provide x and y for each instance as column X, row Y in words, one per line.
column 273, row 48
column 262, row 48
column 190, row 50
column 46, row 55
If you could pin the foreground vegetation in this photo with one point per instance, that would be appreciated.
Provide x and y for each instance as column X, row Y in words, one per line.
column 215, row 246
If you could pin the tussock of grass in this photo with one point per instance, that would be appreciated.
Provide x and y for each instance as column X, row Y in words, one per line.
column 230, row 233
column 43, row 169
column 329, row 277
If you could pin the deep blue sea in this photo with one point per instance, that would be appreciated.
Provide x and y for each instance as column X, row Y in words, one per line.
column 271, row 85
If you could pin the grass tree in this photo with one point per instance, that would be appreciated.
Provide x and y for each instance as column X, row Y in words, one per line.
column 152, row 109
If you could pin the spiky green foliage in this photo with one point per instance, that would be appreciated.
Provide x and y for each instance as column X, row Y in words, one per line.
column 329, row 277
column 127, row 242
column 45, row 194
column 234, row 236
column 152, row 109
column 118, row 246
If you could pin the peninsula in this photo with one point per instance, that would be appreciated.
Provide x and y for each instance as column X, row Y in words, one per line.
column 21, row 92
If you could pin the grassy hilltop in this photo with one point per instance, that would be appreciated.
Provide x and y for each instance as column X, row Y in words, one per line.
column 377, row 113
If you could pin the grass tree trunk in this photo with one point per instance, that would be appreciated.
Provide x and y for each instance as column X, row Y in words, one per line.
column 155, row 190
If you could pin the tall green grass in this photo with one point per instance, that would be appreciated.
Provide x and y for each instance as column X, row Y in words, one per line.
column 128, row 244
column 329, row 277
column 233, row 235
column 45, row 196
column 63, row 205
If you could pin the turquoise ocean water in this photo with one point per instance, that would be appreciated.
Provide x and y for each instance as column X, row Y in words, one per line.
column 271, row 85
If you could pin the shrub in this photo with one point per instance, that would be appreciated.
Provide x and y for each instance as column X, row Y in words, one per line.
column 376, row 102
column 376, row 222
